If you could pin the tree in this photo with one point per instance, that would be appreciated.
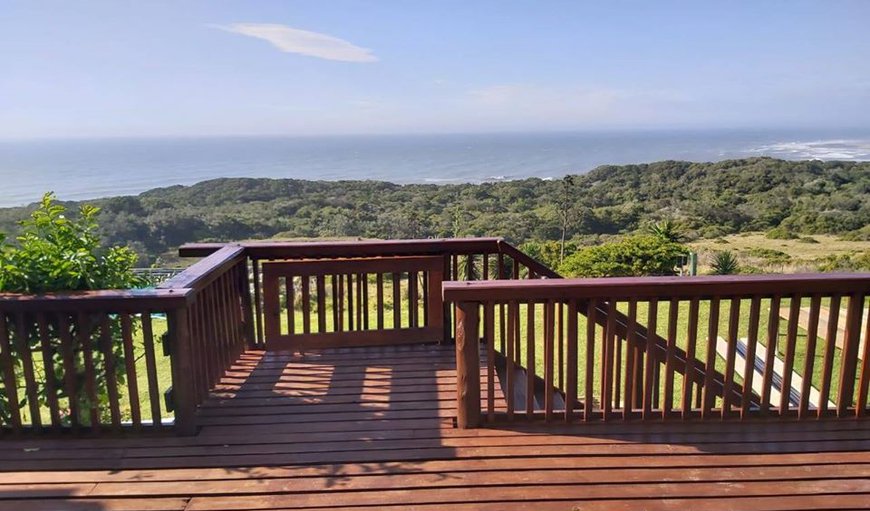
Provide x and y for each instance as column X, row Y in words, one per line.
column 566, row 212
column 667, row 230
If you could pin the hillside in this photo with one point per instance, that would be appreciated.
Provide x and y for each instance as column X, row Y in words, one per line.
column 708, row 199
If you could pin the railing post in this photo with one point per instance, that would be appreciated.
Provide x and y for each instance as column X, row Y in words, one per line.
column 183, row 393
column 467, row 365
column 244, row 286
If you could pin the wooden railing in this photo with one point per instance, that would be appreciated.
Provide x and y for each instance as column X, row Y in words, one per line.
column 664, row 348
column 463, row 259
column 139, row 360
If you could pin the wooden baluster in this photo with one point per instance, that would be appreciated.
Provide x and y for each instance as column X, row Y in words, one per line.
column 730, row 357
column 589, row 379
column 630, row 340
column 333, row 287
column 485, row 271
column 130, row 370
column 198, row 337
column 531, row 362
column 671, row 358
column 365, row 301
column 469, row 267
column 501, row 306
column 85, row 342
column 709, row 396
column 650, row 385
column 247, row 311
column 10, row 380
column 380, row 300
column 607, row 380
column 812, row 335
column 434, row 304
column 412, row 300
column 489, row 335
column 258, row 302
column 549, row 351
column 794, row 310
column 321, row 304
column 467, row 365
column 339, row 303
column 67, row 346
column 864, row 381
column 360, row 302
column 306, row 304
column 515, row 267
column 397, row 302
column 454, row 267
column 222, row 296
column 151, row 369
column 828, row 362
column 350, row 302
column 214, row 345
column 689, row 373
column 425, row 298
column 849, row 361
column 617, row 370
column 571, row 377
column 770, row 354
column 751, row 346
column 51, row 391
column 110, row 368
column 560, row 346
column 512, row 333
column 25, row 355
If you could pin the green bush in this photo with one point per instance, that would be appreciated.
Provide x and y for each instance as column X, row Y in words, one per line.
column 637, row 255
column 781, row 233
column 58, row 253
column 769, row 255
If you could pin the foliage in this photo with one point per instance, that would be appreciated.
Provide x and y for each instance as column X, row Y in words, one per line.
column 704, row 199
column 769, row 255
column 844, row 262
column 548, row 252
column 724, row 263
column 636, row 255
column 58, row 253
column 781, row 233
column 667, row 230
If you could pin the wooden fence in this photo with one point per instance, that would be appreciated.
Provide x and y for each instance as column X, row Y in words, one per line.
column 663, row 348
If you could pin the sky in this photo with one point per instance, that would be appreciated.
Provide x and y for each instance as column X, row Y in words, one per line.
column 294, row 67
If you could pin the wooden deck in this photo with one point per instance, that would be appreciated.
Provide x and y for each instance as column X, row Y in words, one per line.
column 373, row 428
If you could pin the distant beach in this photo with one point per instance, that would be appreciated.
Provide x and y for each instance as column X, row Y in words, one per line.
column 90, row 168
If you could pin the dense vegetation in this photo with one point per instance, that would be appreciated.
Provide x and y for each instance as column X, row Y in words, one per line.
column 704, row 199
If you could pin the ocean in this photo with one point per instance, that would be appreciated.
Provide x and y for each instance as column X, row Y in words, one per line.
column 79, row 169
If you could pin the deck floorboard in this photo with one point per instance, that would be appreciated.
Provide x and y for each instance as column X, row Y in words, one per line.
column 373, row 428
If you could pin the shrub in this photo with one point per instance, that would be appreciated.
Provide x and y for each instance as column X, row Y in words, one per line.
column 57, row 253
column 769, row 255
column 781, row 233
column 667, row 230
column 548, row 252
column 724, row 263
column 637, row 255
column 808, row 239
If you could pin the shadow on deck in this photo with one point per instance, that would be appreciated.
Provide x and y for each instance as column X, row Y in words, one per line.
column 374, row 428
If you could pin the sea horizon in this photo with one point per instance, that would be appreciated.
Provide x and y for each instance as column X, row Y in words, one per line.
column 91, row 168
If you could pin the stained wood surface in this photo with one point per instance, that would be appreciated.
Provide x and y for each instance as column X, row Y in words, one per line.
column 373, row 428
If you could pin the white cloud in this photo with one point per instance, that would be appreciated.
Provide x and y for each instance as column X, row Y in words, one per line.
column 303, row 42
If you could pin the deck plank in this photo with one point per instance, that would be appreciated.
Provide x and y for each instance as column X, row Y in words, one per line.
column 351, row 429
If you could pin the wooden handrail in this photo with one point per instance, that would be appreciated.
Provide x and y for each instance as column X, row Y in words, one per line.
column 359, row 248
column 114, row 300
column 650, row 287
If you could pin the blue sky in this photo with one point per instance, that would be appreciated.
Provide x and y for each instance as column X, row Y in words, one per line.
column 190, row 68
